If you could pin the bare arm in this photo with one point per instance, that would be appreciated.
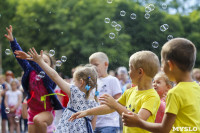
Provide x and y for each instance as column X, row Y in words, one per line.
column 94, row 122
column 6, row 101
column 133, row 120
column 24, row 109
column 49, row 71
column 101, row 110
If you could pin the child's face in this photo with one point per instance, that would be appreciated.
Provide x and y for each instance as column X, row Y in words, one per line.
column 14, row 86
column 46, row 59
column 160, row 85
column 133, row 73
column 101, row 66
column 77, row 83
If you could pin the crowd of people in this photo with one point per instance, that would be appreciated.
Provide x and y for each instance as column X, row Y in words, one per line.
column 102, row 101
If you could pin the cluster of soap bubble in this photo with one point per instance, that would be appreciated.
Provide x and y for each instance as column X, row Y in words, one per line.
column 149, row 8
column 40, row 75
column 17, row 118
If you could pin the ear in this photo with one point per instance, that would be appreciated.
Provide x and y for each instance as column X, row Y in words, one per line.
column 82, row 82
column 106, row 64
column 170, row 64
column 141, row 71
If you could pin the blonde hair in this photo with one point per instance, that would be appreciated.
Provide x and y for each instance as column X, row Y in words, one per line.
column 99, row 55
column 164, row 76
column 194, row 71
column 88, row 74
column 146, row 60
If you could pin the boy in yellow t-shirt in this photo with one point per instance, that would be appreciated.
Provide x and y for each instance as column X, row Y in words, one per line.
column 182, row 113
column 143, row 100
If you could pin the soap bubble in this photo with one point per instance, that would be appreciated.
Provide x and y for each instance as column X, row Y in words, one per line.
column 58, row 63
column 112, row 35
column 152, row 7
column 63, row 58
column 147, row 15
column 164, row 27
column 107, row 20
column 17, row 119
column 147, row 9
column 169, row 37
column 7, row 110
column 61, row 33
column 113, row 24
column 109, row 1
column 7, row 51
column 118, row 27
column 37, row 78
column 49, row 12
column 164, row 6
column 122, row 13
column 41, row 74
column 51, row 52
column 133, row 16
column 155, row 44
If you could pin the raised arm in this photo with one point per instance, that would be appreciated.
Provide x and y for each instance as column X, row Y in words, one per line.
column 15, row 46
column 49, row 71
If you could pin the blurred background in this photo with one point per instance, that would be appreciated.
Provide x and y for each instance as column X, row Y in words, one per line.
column 78, row 28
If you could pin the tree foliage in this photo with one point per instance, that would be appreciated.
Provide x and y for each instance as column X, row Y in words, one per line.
column 76, row 29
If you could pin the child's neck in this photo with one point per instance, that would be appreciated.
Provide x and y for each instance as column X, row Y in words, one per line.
column 145, row 84
column 104, row 75
column 183, row 77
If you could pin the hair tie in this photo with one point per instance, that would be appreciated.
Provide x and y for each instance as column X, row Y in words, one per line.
column 87, row 87
column 96, row 93
column 89, row 77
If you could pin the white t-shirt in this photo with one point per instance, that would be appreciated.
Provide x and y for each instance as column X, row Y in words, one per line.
column 13, row 97
column 108, row 85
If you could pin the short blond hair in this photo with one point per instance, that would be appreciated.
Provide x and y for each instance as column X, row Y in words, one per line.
column 99, row 55
column 146, row 60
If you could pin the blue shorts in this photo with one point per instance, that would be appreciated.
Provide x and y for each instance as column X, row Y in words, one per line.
column 106, row 130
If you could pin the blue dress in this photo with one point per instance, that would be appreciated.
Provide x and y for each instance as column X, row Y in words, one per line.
column 77, row 102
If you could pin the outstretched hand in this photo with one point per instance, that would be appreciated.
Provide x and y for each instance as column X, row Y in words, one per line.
column 131, row 119
column 108, row 100
column 9, row 36
column 34, row 56
column 21, row 55
column 77, row 115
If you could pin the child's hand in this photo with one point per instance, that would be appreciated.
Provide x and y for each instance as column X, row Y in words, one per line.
column 34, row 55
column 21, row 55
column 10, row 35
column 131, row 119
column 108, row 100
column 78, row 115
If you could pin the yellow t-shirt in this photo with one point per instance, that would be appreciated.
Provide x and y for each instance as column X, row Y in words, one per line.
column 184, row 101
column 135, row 99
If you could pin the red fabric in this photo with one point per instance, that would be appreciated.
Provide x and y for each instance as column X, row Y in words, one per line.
column 160, row 112
column 37, row 89
column 65, row 99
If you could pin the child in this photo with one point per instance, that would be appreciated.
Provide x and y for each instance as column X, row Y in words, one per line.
column 107, row 84
column 196, row 74
column 13, row 100
column 182, row 103
column 5, row 87
column 161, row 84
column 85, row 80
column 143, row 100
column 39, row 116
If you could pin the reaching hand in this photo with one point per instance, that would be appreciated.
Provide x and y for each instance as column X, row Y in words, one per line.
column 33, row 55
column 21, row 55
column 108, row 100
column 9, row 36
column 78, row 115
column 131, row 119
